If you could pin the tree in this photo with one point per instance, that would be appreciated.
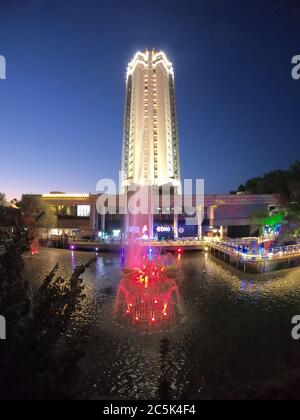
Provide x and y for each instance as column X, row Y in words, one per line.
column 294, row 186
column 262, row 219
column 2, row 199
column 258, row 222
column 32, row 363
column 290, row 230
column 295, row 170
column 281, row 182
column 286, row 184
column 37, row 213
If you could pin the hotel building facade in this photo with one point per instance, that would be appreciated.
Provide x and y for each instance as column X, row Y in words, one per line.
column 150, row 154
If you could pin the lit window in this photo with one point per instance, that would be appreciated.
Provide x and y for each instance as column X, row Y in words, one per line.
column 83, row 211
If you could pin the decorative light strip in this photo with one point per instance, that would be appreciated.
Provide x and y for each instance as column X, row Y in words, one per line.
column 137, row 60
column 273, row 253
column 162, row 58
column 142, row 58
column 66, row 195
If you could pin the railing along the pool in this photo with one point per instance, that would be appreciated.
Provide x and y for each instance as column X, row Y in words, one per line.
column 258, row 261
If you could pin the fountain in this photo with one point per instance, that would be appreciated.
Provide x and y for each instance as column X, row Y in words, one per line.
column 148, row 295
column 34, row 247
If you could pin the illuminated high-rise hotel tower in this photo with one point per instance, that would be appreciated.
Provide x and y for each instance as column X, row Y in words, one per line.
column 150, row 145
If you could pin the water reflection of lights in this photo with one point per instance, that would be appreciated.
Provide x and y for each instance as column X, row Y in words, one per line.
column 148, row 296
column 34, row 247
column 73, row 260
column 250, row 288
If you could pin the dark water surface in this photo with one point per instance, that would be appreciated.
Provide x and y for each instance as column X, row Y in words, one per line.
column 232, row 338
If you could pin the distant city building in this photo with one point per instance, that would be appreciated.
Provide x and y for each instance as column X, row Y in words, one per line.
column 150, row 153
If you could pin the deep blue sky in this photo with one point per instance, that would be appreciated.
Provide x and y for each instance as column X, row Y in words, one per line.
column 61, row 107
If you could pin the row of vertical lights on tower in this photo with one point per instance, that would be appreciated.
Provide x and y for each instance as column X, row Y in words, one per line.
column 155, row 125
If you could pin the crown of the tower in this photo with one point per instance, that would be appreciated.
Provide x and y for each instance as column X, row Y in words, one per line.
column 147, row 57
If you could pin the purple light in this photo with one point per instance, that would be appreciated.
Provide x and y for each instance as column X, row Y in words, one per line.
column 72, row 247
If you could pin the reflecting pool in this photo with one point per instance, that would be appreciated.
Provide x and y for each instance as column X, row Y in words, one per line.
column 228, row 334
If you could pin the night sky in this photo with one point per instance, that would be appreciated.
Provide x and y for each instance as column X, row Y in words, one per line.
column 62, row 105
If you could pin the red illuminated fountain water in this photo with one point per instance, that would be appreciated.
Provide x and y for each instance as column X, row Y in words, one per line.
column 34, row 247
column 148, row 295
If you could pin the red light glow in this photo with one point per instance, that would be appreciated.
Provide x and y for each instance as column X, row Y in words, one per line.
column 146, row 297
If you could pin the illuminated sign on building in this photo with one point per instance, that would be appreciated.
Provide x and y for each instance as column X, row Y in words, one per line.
column 163, row 229
column 116, row 233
